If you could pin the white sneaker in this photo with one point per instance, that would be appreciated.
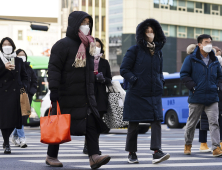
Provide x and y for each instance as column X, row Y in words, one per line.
column 15, row 141
column 23, row 143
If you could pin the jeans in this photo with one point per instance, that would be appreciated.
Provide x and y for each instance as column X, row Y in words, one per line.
column 19, row 132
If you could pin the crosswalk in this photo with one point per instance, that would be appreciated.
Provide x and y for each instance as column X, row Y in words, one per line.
column 70, row 154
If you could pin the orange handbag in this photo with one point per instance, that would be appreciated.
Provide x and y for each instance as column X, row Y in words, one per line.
column 55, row 129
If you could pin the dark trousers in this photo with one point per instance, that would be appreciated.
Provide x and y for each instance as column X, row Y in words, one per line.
column 91, row 138
column 132, row 134
column 6, row 134
column 203, row 135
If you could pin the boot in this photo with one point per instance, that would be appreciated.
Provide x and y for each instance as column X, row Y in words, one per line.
column 217, row 152
column 54, row 162
column 187, row 149
column 85, row 150
column 7, row 149
column 204, row 148
column 97, row 161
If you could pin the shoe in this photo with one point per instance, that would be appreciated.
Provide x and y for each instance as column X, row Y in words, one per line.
column 159, row 156
column 54, row 162
column 220, row 145
column 7, row 149
column 96, row 161
column 187, row 149
column 217, row 152
column 204, row 148
column 85, row 150
column 23, row 143
column 132, row 158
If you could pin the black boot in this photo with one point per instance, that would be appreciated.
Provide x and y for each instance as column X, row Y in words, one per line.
column 7, row 149
column 3, row 145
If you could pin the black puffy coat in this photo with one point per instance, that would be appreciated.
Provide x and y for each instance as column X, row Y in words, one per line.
column 10, row 84
column 31, row 86
column 100, row 88
column 144, row 73
column 75, row 85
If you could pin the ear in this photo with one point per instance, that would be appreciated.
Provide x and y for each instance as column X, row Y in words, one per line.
column 199, row 44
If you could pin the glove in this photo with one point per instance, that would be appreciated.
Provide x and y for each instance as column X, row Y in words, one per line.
column 100, row 78
column 54, row 95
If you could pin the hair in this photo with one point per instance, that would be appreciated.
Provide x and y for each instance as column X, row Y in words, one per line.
column 143, row 36
column 11, row 42
column 102, row 45
column 217, row 48
column 203, row 36
column 20, row 50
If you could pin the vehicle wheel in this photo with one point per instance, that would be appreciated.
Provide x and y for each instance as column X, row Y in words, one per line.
column 172, row 119
column 143, row 129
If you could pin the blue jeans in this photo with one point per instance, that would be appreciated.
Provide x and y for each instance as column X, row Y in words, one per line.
column 19, row 132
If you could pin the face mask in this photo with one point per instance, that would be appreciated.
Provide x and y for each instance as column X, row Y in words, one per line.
column 150, row 37
column 207, row 48
column 85, row 29
column 23, row 58
column 7, row 49
column 98, row 50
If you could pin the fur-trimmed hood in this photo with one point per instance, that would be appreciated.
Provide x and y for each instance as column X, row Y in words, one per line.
column 159, row 35
column 191, row 48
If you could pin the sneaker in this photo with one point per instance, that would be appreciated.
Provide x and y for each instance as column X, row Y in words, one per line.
column 23, row 143
column 7, row 149
column 159, row 156
column 217, row 152
column 132, row 158
column 204, row 148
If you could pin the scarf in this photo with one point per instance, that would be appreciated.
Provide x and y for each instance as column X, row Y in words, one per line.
column 151, row 47
column 87, row 41
column 7, row 57
column 96, row 61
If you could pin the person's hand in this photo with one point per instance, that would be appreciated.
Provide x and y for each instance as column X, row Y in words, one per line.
column 9, row 66
column 100, row 78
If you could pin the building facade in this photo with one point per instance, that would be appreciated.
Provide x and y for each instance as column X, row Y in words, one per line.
column 182, row 21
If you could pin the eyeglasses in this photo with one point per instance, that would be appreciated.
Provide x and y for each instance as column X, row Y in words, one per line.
column 86, row 23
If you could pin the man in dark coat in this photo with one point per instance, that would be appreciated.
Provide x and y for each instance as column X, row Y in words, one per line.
column 142, row 68
column 71, row 81
column 201, row 74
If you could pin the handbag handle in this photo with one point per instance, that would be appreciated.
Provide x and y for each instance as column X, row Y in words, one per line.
column 108, row 87
column 58, row 109
column 22, row 90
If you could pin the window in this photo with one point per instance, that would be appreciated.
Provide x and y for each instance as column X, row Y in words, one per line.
column 83, row 2
column 165, row 29
column 173, row 31
column 220, row 35
column 96, row 23
column 215, row 35
column 97, row 3
column 221, row 10
column 206, row 8
column 104, row 3
column 198, row 31
column 156, row 4
column 182, row 3
column 173, row 4
column 103, row 23
column 20, row 35
column 171, row 88
column 184, row 90
column 207, row 31
column 199, row 5
column 190, row 32
column 164, row 2
column 182, row 29
column 190, row 6
column 215, row 7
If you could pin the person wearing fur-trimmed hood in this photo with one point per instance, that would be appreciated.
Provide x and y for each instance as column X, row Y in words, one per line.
column 142, row 68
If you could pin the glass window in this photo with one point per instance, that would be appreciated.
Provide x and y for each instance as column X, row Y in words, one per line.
column 171, row 88
column 198, row 30
column 190, row 6
column 173, row 4
column 103, row 23
column 190, row 32
column 173, row 31
column 97, row 3
column 97, row 23
column 164, row 2
column 215, row 7
column 184, row 90
column 220, row 35
column 199, row 5
column 20, row 35
column 164, row 27
column 182, row 3
column 182, row 29
column 221, row 10
column 103, row 3
column 90, row 7
column 215, row 32
column 207, row 31
column 90, row 2
column 156, row 3
column 83, row 2
column 206, row 8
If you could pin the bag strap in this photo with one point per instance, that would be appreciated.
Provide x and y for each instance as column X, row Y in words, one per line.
column 58, row 109
column 22, row 90
column 110, row 90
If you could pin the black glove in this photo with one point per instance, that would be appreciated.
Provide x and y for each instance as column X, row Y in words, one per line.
column 100, row 78
column 54, row 95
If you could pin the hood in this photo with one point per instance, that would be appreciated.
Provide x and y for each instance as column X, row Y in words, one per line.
column 191, row 48
column 74, row 21
column 159, row 35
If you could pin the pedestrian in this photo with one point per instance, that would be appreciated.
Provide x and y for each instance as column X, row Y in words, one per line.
column 18, row 135
column 103, row 79
column 71, row 82
column 201, row 74
column 13, row 78
column 142, row 68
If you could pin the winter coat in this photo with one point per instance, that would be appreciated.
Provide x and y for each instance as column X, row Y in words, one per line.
column 75, row 85
column 144, row 73
column 10, row 84
column 202, row 80
column 100, row 88
column 31, row 86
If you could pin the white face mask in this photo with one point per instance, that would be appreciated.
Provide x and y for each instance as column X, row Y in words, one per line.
column 85, row 29
column 98, row 50
column 7, row 49
column 23, row 58
column 207, row 48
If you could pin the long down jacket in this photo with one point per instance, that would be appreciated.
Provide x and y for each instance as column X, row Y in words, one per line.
column 10, row 84
column 75, row 85
column 144, row 73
